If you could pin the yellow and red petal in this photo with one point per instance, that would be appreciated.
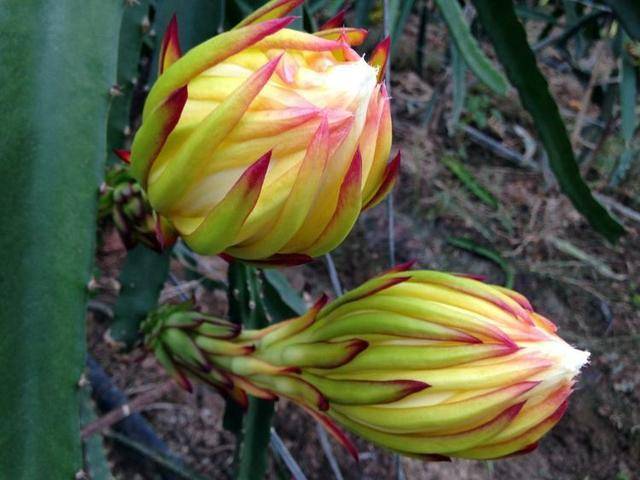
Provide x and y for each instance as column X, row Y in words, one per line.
column 170, row 50
column 270, row 10
column 219, row 229
column 353, row 36
column 380, row 56
column 208, row 54
column 153, row 134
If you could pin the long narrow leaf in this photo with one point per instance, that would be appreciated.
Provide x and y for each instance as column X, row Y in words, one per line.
column 469, row 181
column 628, row 94
column 58, row 65
column 510, row 42
column 628, row 12
column 488, row 253
column 459, row 74
column 469, row 48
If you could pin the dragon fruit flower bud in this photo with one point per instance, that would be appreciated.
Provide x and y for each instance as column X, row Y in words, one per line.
column 424, row 363
column 123, row 203
column 265, row 143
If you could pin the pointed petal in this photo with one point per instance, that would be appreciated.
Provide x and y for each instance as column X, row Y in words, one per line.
column 382, row 150
column 465, row 378
column 124, row 155
column 249, row 365
column 222, row 224
column 298, row 203
column 417, row 357
column 295, row 40
column 252, row 389
column 166, row 235
column 218, row 329
column 427, row 311
column 383, row 323
column 363, row 392
column 206, row 55
column 400, row 267
column 354, row 36
column 335, row 432
column 185, row 167
column 367, row 289
column 518, row 297
column 316, row 355
column 172, row 369
column 269, row 11
column 477, row 289
column 389, row 179
column 379, row 57
column 153, row 134
column 346, row 213
column 544, row 323
column 170, row 50
column 336, row 21
column 295, row 388
column 441, row 444
column 517, row 445
column 288, row 328
column 446, row 418
column 215, row 346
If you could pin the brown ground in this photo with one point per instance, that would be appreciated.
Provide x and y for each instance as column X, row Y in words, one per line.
column 595, row 301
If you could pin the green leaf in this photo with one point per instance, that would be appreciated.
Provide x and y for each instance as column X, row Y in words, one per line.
column 469, row 48
column 469, row 181
column 628, row 12
column 459, row 74
column 363, row 10
column 628, row 95
column 510, row 42
column 399, row 11
column 58, row 65
column 132, row 32
column 530, row 13
column 281, row 296
column 141, row 281
column 488, row 253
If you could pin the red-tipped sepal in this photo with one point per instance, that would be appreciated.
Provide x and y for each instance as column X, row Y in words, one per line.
column 380, row 56
column 389, row 178
column 336, row 21
column 170, row 49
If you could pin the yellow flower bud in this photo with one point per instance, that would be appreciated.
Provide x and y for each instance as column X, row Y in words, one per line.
column 265, row 143
column 424, row 363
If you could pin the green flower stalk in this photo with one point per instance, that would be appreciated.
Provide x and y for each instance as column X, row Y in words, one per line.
column 424, row 363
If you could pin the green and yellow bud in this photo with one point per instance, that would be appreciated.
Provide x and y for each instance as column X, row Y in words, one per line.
column 124, row 203
column 265, row 143
column 425, row 363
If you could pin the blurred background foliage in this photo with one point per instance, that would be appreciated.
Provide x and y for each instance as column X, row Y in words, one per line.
column 518, row 122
